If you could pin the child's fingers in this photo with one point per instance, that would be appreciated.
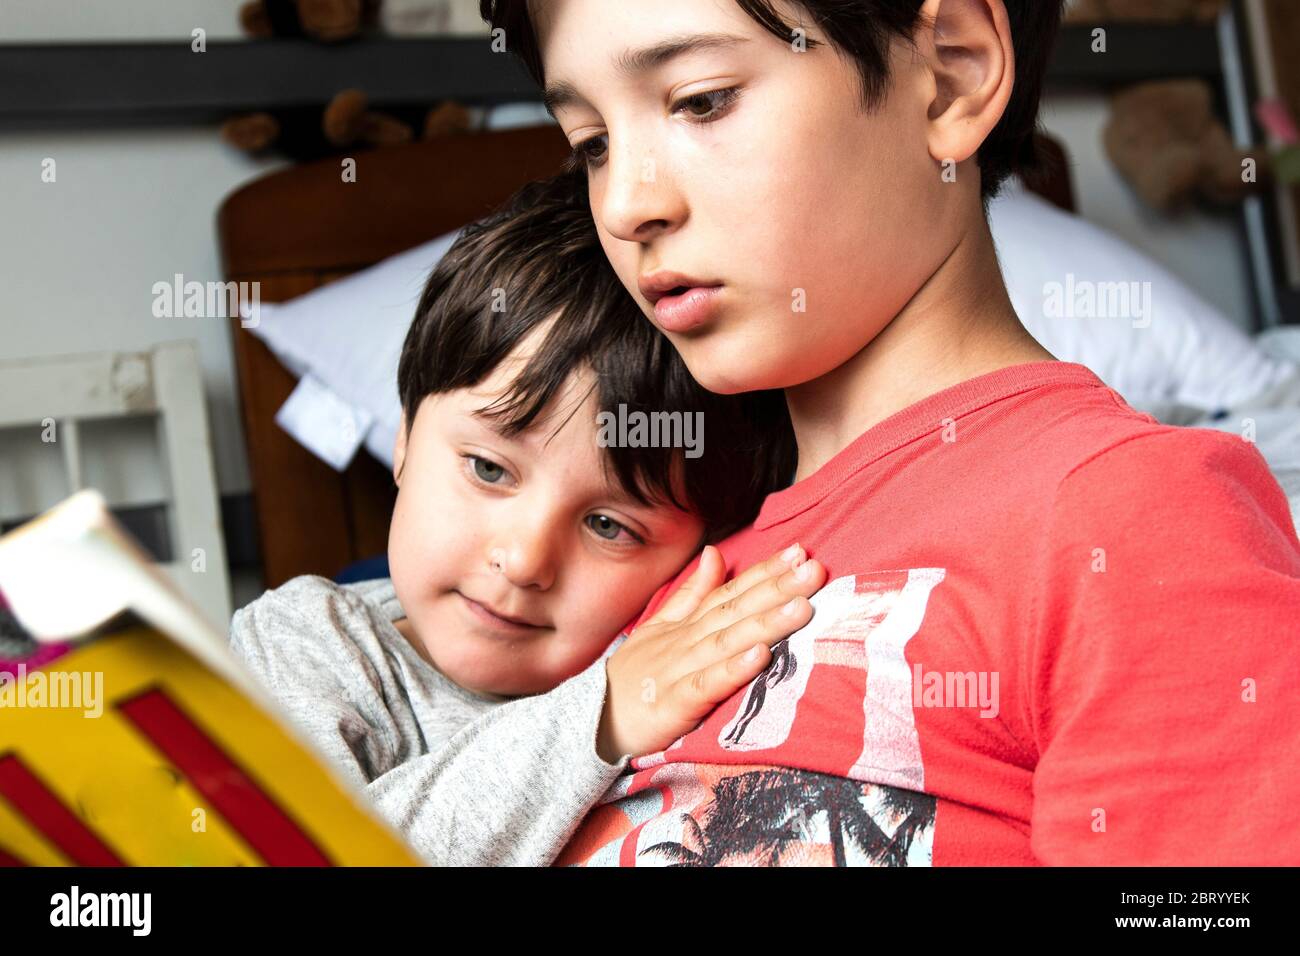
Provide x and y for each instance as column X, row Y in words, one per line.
column 684, row 601
column 769, row 594
column 766, row 627
column 773, row 567
column 700, row 692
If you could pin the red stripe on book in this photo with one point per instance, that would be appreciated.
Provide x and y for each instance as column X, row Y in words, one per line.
column 42, row 808
column 8, row 859
column 263, row 824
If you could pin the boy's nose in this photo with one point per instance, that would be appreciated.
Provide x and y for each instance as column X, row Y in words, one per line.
column 638, row 202
column 524, row 561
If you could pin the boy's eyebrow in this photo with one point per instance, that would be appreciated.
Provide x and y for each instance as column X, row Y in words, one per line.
column 493, row 423
column 635, row 62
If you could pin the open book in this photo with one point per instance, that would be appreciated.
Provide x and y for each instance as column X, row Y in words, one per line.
column 129, row 733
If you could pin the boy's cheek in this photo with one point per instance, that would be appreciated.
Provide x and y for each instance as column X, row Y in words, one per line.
column 594, row 613
column 422, row 555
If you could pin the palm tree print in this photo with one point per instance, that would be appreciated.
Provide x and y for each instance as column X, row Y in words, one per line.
column 759, row 817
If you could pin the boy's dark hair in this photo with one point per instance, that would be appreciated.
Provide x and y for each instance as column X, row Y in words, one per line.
column 539, row 257
column 864, row 30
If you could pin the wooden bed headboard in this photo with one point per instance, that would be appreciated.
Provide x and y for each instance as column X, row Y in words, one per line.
column 299, row 228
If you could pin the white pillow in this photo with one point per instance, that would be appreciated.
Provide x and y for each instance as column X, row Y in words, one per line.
column 1281, row 342
column 1170, row 347
column 346, row 338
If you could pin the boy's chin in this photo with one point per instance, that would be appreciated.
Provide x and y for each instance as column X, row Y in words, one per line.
column 726, row 369
column 491, row 679
column 479, row 681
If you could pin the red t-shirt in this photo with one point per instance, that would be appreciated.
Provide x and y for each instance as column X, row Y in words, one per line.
column 1054, row 631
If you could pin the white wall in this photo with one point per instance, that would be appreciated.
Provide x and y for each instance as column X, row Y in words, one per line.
column 60, row 21
column 79, row 256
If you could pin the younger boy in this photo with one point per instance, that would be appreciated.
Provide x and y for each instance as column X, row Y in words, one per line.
column 518, row 546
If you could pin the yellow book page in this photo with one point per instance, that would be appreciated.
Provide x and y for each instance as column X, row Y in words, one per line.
column 177, row 768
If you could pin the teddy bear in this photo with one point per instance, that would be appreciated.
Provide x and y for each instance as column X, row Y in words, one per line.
column 328, row 21
column 1165, row 141
column 347, row 121
column 1142, row 11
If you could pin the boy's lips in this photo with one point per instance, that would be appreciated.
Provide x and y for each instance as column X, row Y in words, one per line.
column 488, row 615
column 689, row 308
column 658, row 285
column 681, row 302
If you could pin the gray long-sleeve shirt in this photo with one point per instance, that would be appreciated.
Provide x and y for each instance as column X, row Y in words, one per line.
column 468, row 780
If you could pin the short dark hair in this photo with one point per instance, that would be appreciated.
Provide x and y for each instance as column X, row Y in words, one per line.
column 864, row 29
column 539, row 258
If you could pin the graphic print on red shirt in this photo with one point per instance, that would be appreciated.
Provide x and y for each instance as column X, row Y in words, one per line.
column 851, row 657
column 1041, row 610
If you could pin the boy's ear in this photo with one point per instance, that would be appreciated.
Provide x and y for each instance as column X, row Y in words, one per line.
column 399, row 451
column 970, row 54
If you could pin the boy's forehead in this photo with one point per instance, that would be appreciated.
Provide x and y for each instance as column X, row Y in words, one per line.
column 633, row 62
column 500, row 379
column 576, row 391
column 649, row 34
column 573, row 403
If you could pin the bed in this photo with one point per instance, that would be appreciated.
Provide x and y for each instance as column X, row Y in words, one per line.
column 297, row 229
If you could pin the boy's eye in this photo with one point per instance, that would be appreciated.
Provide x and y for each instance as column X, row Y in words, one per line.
column 607, row 527
column 587, row 154
column 708, row 106
column 703, row 107
column 486, row 471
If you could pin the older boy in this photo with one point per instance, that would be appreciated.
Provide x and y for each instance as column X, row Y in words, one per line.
column 1056, row 631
